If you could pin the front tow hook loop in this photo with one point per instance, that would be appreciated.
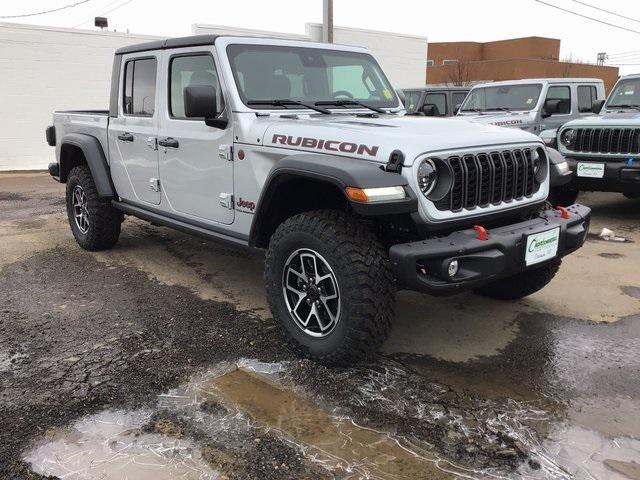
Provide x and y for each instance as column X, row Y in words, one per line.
column 481, row 232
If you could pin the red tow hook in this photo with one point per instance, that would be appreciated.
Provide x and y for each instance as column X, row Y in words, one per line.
column 481, row 232
column 564, row 213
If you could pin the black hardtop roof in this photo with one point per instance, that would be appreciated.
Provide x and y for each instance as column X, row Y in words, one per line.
column 191, row 41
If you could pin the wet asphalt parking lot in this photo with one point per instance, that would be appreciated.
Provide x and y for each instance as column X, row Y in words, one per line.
column 159, row 360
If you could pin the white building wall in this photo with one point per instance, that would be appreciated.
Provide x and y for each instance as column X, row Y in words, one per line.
column 43, row 69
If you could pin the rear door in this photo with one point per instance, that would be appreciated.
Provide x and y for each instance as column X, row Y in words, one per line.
column 457, row 99
column 196, row 166
column 132, row 134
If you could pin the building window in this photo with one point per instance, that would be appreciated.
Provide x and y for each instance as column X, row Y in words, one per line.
column 430, row 63
column 587, row 94
column 449, row 62
column 140, row 87
column 564, row 95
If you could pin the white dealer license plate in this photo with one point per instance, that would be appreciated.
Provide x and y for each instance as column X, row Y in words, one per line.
column 542, row 246
column 591, row 170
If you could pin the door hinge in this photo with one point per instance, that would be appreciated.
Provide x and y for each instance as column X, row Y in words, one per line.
column 225, row 152
column 226, row 200
column 154, row 184
column 152, row 143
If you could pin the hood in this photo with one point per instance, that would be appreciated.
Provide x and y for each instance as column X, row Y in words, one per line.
column 626, row 118
column 374, row 139
column 501, row 119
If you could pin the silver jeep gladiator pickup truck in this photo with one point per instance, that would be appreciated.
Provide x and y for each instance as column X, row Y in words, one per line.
column 303, row 149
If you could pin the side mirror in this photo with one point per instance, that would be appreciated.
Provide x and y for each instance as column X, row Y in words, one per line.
column 200, row 102
column 551, row 107
column 429, row 110
column 456, row 109
column 597, row 106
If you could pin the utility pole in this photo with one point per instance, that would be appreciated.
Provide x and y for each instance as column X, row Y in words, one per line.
column 602, row 57
column 327, row 21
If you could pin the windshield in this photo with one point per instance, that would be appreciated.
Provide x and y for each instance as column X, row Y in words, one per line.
column 503, row 97
column 412, row 100
column 268, row 72
column 627, row 92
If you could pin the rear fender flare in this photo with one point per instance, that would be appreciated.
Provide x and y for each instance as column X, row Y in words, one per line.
column 95, row 158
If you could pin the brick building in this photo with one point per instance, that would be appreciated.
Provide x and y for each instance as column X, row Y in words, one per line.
column 463, row 63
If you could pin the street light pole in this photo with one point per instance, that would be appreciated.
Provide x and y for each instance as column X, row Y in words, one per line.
column 327, row 21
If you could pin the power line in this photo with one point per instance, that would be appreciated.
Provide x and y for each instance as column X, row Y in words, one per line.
column 587, row 17
column 606, row 11
column 623, row 55
column 126, row 2
column 46, row 11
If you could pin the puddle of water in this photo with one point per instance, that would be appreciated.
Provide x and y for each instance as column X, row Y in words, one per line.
column 110, row 446
column 337, row 443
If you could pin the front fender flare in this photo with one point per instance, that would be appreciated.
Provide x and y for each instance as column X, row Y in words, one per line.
column 340, row 172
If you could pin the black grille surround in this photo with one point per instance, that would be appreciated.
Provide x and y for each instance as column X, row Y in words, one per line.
column 489, row 178
column 607, row 140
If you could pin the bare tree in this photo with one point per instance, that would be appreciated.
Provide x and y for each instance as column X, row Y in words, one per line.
column 459, row 72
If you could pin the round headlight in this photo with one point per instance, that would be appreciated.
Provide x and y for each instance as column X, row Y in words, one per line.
column 568, row 137
column 427, row 176
column 536, row 162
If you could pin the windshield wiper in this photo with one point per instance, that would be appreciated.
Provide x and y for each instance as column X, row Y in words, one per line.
column 496, row 109
column 287, row 101
column 477, row 110
column 635, row 107
column 344, row 103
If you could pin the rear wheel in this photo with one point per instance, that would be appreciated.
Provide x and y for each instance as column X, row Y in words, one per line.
column 521, row 284
column 94, row 222
column 330, row 286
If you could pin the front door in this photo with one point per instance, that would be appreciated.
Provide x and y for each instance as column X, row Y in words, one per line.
column 132, row 134
column 563, row 94
column 196, row 168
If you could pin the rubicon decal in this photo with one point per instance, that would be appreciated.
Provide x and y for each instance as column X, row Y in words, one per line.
column 322, row 144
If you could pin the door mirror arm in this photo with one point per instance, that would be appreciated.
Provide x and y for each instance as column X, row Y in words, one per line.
column 220, row 122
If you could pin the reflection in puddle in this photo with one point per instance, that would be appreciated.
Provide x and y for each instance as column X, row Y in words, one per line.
column 111, row 446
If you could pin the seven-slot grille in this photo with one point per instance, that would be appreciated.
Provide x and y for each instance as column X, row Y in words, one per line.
column 607, row 140
column 489, row 178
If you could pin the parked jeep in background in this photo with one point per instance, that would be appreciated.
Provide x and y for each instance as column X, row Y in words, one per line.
column 603, row 150
column 534, row 105
column 433, row 101
column 304, row 150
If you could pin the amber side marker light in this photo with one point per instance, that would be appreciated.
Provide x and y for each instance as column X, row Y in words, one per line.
column 373, row 195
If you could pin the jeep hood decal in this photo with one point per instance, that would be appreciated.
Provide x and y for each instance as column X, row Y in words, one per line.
column 374, row 139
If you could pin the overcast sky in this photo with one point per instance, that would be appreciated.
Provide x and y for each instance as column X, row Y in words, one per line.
column 457, row 20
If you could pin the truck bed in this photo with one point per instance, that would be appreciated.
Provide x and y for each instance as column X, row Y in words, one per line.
column 90, row 122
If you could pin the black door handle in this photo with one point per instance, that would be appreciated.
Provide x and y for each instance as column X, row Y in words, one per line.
column 168, row 142
column 125, row 137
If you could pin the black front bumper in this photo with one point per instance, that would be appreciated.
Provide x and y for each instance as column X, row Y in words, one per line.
column 619, row 176
column 422, row 265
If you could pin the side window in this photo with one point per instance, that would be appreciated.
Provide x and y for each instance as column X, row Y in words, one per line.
column 412, row 101
column 587, row 94
column 564, row 95
column 191, row 70
column 458, row 98
column 439, row 100
column 139, row 95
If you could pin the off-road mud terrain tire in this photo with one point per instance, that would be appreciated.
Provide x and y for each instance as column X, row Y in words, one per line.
column 104, row 221
column 562, row 197
column 522, row 284
column 362, row 272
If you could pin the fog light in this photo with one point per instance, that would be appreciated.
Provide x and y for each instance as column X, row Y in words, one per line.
column 452, row 269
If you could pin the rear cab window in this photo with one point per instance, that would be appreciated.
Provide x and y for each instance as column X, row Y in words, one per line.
column 587, row 94
column 139, row 92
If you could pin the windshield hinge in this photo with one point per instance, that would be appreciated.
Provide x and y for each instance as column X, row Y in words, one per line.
column 225, row 152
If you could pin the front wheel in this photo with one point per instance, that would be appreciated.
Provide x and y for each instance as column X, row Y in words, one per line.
column 521, row 284
column 330, row 286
